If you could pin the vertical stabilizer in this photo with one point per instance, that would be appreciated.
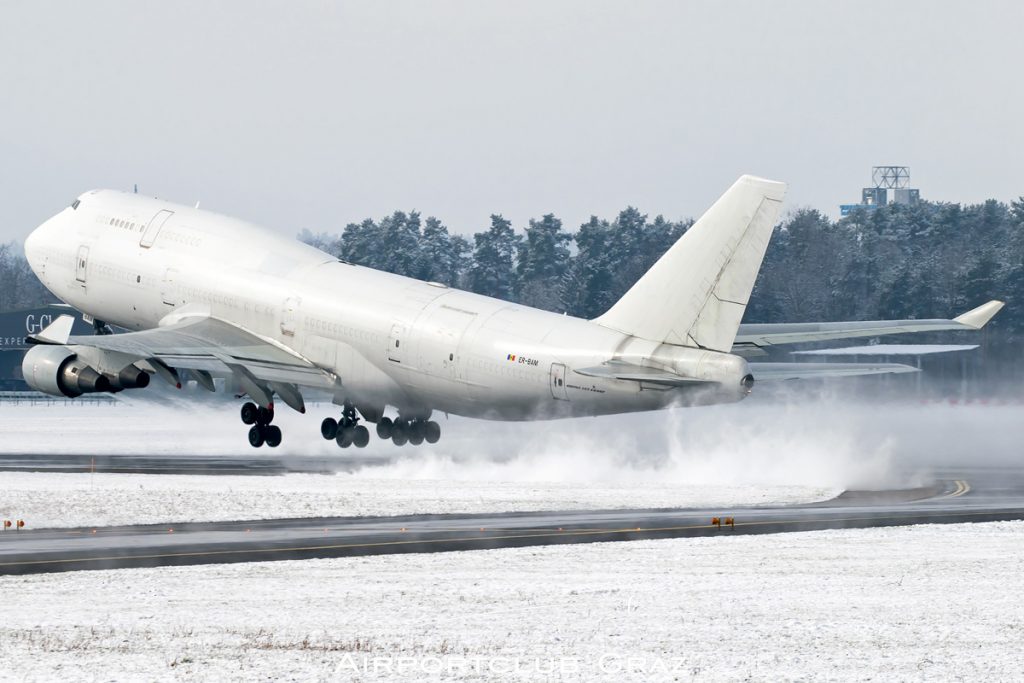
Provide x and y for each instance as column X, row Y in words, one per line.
column 695, row 294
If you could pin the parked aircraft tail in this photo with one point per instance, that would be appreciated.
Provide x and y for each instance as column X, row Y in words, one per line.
column 695, row 294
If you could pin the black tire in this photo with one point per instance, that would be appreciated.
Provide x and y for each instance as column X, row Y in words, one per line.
column 360, row 436
column 344, row 437
column 249, row 411
column 384, row 427
column 329, row 428
column 415, row 439
column 264, row 416
column 417, row 431
column 256, row 437
column 432, row 432
column 399, row 435
column 272, row 434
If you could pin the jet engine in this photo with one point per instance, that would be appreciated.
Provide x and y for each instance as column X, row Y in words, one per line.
column 59, row 371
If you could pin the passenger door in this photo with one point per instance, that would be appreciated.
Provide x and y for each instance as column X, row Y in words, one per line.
column 395, row 351
column 81, row 265
column 168, row 286
column 558, row 382
column 439, row 340
column 288, row 314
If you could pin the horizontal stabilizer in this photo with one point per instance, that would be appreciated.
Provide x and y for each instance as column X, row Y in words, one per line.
column 772, row 372
column 56, row 332
column 753, row 337
column 638, row 373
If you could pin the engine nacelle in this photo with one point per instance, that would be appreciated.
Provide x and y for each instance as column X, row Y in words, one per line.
column 57, row 370
column 131, row 377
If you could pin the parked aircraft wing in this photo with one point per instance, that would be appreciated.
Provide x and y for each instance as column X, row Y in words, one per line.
column 638, row 373
column 752, row 338
column 770, row 372
column 210, row 345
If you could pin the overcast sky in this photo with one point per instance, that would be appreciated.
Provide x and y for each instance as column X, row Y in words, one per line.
column 315, row 114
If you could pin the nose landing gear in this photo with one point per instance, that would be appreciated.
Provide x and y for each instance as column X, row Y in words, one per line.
column 261, row 432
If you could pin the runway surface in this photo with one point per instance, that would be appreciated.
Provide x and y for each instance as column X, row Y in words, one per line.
column 976, row 495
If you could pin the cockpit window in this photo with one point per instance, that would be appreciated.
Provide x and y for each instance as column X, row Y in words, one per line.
column 74, row 204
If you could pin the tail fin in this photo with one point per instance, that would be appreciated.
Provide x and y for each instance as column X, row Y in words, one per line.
column 695, row 294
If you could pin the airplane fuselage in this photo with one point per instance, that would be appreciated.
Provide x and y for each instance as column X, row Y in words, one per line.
column 387, row 340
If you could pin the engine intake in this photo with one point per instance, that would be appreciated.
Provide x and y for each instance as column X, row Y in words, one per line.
column 58, row 371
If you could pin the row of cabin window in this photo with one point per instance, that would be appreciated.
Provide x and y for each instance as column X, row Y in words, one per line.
column 114, row 273
column 122, row 223
column 175, row 236
column 318, row 324
column 510, row 369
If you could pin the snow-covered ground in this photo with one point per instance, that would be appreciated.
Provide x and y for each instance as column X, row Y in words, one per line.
column 916, row 603
column 46, row 499
column 773, row 451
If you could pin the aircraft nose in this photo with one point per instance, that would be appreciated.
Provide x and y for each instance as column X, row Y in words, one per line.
column 36, row 242
column 32, row 247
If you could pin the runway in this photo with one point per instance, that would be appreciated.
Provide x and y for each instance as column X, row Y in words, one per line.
column 184, row 463
column 980, row 495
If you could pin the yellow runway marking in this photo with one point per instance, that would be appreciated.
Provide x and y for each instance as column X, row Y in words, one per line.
column 962, row 487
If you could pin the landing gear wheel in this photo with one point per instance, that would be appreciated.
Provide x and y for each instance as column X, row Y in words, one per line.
column 272, row 435
column 432, row 432
column 264, row 416
column 329, row 428
column 360, row 436
column 415, row 439
column 399, row 435
column 345, row 437
column 384, row 427
column 249, row 411
column 416, row 432
column 256, row 436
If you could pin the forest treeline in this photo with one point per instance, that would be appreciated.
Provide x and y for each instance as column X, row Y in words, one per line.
column 19, row 286
column 924, row 261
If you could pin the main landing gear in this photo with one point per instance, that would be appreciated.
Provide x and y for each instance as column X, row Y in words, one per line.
column 346, row 431
column 261, row 432
column 402, row 431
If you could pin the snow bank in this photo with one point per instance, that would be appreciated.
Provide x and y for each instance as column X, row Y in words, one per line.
column 912, row 603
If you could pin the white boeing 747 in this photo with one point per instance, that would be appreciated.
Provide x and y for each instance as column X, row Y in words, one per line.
column 205, row 295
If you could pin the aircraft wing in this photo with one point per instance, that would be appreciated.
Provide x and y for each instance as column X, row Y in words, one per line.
column 752, row 339
column 205, row 345
column 770, row 372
